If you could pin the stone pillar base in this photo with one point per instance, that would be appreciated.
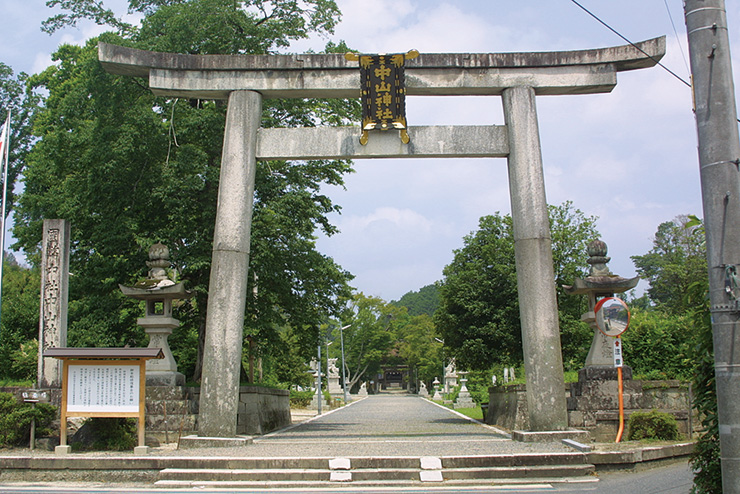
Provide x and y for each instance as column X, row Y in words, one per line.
column 63, row 450
column 191, row 442
column 141, row 450
column 550, row 436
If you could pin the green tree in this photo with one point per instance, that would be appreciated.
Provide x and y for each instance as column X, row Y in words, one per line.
column 478, row 316
column 130, row 169
column 22, row 104
column 417, row 346
column 677, row 259
column 369, row 339
column 20, row 321
column 425, row 301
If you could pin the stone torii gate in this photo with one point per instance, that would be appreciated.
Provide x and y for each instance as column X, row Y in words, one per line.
column 244, row 80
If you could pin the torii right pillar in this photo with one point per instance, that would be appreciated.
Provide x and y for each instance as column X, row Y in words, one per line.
column 538, row 311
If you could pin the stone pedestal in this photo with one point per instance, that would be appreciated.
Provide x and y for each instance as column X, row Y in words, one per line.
column 161, row 372
column 594, row 400
column 363, row 390
column 318, row 395
column 334, row 387
column 464, row 400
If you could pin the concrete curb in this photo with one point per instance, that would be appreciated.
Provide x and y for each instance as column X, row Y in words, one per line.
column 635, row 458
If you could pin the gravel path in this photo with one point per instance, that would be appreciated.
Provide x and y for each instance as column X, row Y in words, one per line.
column 392, row 425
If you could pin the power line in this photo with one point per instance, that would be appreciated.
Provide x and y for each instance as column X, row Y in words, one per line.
column 631, row 43
column 680, row 46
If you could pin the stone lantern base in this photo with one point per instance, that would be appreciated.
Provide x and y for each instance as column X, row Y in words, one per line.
column 164, row 378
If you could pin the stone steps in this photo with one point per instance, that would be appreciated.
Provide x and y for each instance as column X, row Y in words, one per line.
column 307, row 472
column 170, row 410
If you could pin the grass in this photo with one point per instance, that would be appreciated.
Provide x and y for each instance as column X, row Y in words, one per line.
column 474, row 413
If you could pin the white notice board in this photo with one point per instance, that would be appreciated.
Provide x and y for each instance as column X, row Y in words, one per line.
column 103, row 388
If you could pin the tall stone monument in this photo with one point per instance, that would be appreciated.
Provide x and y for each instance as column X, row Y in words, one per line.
column 54, row 299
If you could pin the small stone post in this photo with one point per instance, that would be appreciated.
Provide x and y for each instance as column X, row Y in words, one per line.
column 54, row 297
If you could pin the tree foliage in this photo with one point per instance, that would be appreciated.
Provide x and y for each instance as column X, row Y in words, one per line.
column 425, row 301
column 22, row 104
column 478, row 316
column 657, row 344
column 20, row 322
column 369, row 338
column 419, row 348
column 130, row 169
column 677, row 259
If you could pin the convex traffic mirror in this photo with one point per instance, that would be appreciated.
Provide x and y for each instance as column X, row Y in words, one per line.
column 612, row 316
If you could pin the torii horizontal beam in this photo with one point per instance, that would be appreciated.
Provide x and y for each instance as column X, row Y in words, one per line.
column 331, row 76
column 312, row 143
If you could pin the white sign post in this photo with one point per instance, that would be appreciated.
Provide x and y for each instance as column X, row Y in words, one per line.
column 618, row 360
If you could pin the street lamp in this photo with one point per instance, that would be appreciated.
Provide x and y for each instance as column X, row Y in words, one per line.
column 344, row 367
column 320, row 395
column 444, row 367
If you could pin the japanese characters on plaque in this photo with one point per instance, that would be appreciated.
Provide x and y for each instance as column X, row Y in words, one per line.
column 383, row 92
column 103, row 388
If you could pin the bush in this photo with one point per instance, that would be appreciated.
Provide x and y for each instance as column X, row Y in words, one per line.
column 301, row 399
column 25, row 360
column 16, row 417
column 106, row 434
column 652, row 425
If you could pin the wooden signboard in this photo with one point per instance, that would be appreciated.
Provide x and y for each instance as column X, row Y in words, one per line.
column 103, row 382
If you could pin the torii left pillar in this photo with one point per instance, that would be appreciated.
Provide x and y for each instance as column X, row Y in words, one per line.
column 227, row 288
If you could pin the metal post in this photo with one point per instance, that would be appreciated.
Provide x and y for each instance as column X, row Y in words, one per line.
column 344, row 368
column 719, row 150
column 318, row 377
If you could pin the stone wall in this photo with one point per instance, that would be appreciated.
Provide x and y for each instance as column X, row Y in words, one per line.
column 507, row 407
column 594, row 407
column 175, row 409
column 261, row 410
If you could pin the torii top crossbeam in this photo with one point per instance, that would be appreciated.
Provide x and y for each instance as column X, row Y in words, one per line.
column 331, row 76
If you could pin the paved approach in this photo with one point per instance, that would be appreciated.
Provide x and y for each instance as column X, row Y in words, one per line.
column 392, row 425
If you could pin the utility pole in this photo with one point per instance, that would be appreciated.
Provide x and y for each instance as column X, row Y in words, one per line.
column 719, row 151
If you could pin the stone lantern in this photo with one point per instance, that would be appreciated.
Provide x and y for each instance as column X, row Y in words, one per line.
column 158, row 291
column 598, row 284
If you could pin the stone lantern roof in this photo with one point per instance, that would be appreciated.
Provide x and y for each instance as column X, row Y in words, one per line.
column 600, row 280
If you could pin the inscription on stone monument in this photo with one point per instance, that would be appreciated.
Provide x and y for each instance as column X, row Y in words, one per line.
column 54, row 288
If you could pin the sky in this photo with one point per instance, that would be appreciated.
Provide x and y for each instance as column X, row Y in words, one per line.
column 627, row 157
